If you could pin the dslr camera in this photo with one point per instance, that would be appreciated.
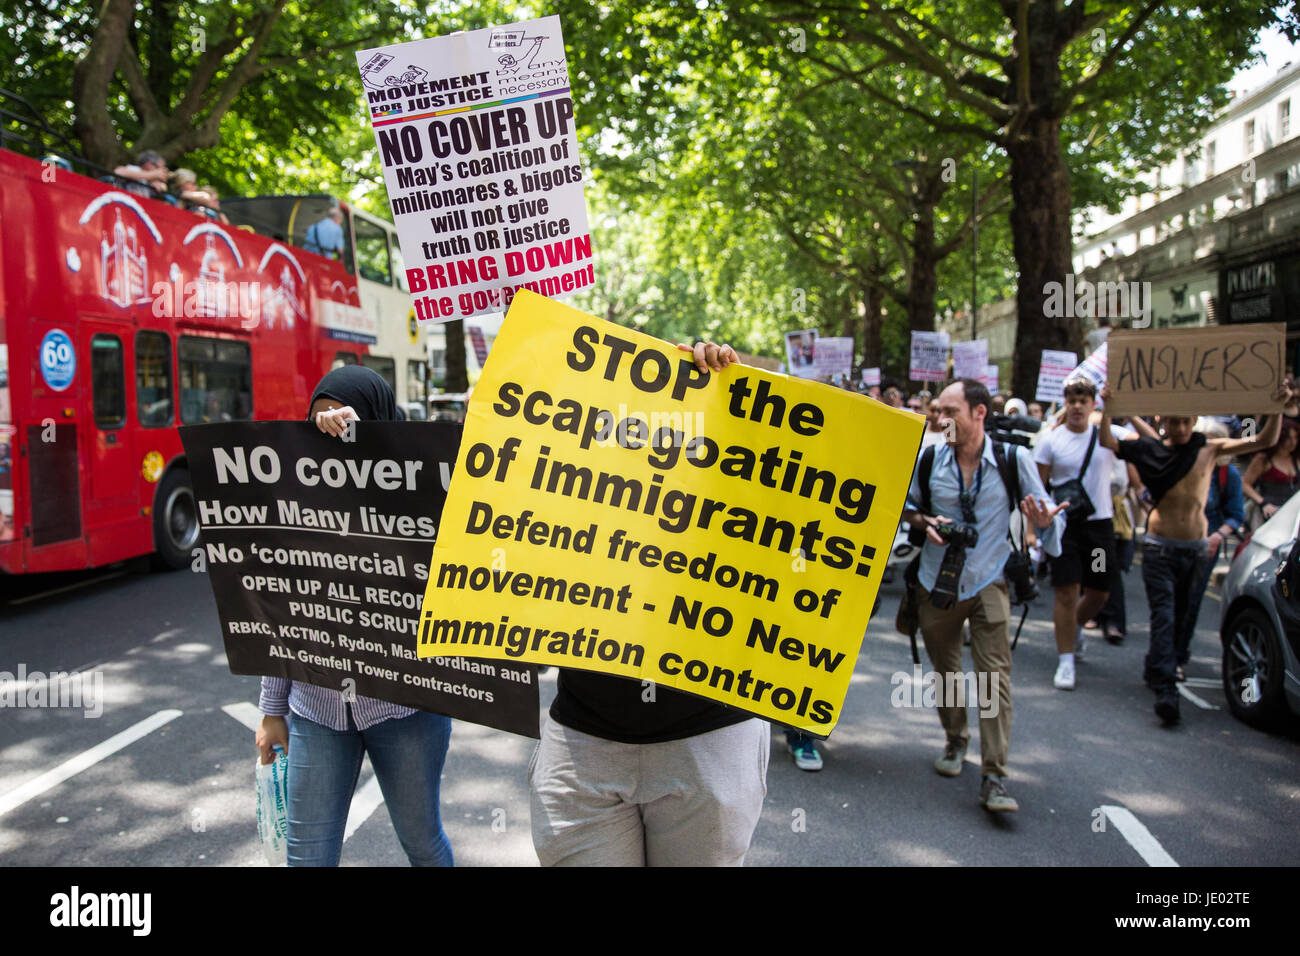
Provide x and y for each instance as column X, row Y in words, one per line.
column 1019, row 572
column 1013, row 429
column 959, row 537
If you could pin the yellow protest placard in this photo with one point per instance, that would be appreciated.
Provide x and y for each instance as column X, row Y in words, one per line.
column 615, row 509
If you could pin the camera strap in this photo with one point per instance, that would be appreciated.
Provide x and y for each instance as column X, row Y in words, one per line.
column 1007, row 470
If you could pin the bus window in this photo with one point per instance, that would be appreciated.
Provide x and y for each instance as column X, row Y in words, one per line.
column 416, row 381
column 386, row 368
column 216, row 380
column 399, row 264
column 372, row 251
column 108, row 381
column 153, row 379
column 343, row 358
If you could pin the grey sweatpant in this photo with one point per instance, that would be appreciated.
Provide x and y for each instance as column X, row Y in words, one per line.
column 691, row 802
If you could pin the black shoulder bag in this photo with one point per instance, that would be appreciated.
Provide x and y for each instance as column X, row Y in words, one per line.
column 1081, row 506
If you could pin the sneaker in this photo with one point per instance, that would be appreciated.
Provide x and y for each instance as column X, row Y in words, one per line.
column 1114, row 636
column 1167, row 708
column 1064, row 679
column 994, row 796
column 949, row 765
column 806, row 757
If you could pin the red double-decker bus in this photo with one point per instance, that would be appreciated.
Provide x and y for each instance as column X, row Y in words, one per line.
column 123, row 317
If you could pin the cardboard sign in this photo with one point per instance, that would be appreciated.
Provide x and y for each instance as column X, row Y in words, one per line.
column 617, row 510
column 1220, row 370
column 990, row 379
column 476, row 136
column 870, row 376
column 929, row 357
column 970, row 359
column 317, row 550
column 1053, row 370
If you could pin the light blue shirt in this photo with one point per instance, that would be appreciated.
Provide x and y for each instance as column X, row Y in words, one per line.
column 324, row 238
column 984, row 562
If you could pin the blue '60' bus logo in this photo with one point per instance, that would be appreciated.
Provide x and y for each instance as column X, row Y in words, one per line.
column 58, row 360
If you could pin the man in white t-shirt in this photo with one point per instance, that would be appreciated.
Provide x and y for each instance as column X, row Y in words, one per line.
column 1072, row 451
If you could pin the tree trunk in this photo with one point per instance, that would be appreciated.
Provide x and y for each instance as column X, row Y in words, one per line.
column 1040, row 232
column 90, row 83
column 457, row 373
column 922, row 280
column 871, row 323
column 849, row 327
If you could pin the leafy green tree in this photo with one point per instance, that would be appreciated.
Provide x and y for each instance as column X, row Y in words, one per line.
column 1097, row 85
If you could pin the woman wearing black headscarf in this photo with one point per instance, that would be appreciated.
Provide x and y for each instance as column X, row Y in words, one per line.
column 331, row 731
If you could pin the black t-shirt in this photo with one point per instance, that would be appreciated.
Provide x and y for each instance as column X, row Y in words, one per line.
column 1159, row 465
column 613, row 708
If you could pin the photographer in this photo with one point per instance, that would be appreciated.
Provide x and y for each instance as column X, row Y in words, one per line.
column 1078, row 470
column 970, row 490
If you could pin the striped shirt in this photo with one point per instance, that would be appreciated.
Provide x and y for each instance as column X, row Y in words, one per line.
column 324, row 706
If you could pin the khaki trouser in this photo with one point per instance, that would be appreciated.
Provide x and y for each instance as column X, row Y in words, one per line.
column 989, row 613
column 688, row 802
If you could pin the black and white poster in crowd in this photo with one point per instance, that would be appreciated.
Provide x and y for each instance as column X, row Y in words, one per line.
column 318, row 550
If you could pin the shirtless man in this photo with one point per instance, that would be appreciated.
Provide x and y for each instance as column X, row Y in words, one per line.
column 1176, row 472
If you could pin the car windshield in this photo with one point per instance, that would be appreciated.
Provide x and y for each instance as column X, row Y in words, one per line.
column 1282, row 528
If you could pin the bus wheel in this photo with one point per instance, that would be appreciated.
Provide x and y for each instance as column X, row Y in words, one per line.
column 175, row 521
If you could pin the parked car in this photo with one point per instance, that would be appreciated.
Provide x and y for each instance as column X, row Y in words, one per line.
column 448, row 407
column 1260, row 626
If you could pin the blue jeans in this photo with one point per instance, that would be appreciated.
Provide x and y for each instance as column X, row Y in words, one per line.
column 324, row 764
column 795, row 739
column 1194, row 612
column 1174, row 575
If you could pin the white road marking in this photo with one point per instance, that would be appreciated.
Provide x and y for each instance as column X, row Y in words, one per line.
column 84, row 760
column 365, row 801
column 246, row 713
column 1138, row 836
column 1208, row 683
column 1204, row 705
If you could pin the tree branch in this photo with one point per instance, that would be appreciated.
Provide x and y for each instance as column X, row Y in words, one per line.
column 910, row 51
column 929, row 25
column 1066, row 98
column 966, row 129
column 137, row 87
column 90, row 82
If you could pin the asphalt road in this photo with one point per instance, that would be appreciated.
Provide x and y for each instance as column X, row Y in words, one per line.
column 1211, row 792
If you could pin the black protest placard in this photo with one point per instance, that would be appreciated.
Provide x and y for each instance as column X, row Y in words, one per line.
column 318, row 552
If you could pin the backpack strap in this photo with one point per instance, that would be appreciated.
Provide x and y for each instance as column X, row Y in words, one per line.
column 1009, row 470
column 926, row 466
